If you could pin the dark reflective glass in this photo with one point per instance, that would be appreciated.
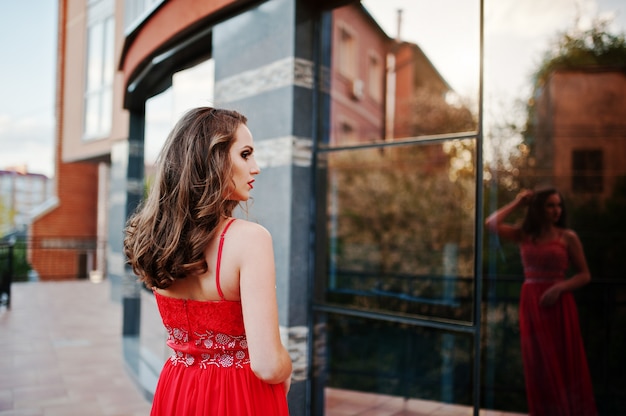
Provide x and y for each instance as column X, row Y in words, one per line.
column 556, row 118
column 400, row 229
column 374, row 366
column 553, row 114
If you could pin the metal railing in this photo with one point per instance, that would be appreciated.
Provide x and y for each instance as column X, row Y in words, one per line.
column 6, row 272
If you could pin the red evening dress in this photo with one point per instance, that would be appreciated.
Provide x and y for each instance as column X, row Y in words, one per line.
column 555, row 366
column 209, row 371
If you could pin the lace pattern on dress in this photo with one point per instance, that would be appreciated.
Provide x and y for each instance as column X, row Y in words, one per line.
column 221, row 341
column 236, row 359
column 231, row 349
column 177, row 335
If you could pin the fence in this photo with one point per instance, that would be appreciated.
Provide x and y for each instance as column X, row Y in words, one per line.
column 6, row 272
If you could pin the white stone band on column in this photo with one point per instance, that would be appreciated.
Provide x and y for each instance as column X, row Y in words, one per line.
column 295, row 340
column 278, row 74
column 283, row 151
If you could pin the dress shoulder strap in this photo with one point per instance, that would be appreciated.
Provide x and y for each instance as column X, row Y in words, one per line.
column 219, row 260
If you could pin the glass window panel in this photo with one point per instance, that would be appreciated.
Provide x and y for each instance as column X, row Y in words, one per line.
column 346, row 51
column 370, row 362
column 190, row 88
column 95, row 54
column 406, row 69
column 555, row 116
column 401, row 229
column 92, row 115
column 106, row 112
column 108, row 53
column 136, row 10
column 100, row 70
column 375, row 76
column 587, row 171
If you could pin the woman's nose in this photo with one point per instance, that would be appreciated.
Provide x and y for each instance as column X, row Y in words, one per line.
column 255, row 169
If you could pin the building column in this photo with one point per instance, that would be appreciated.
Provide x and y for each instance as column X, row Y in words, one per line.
column 264, row 69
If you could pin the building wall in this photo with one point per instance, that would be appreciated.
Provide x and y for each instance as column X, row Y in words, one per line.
column 352, row 104
column 581, row 111
column 63, row 241
column 73, row 49
column 418, row 86
column 588, row 112
column 64, row 238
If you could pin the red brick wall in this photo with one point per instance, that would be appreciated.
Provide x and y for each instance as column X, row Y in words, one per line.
column 60, row 237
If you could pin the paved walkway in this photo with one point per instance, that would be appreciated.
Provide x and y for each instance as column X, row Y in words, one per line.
column 61, row 353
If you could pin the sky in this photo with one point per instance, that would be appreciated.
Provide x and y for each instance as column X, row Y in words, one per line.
column 27, row 72
column 517, row 33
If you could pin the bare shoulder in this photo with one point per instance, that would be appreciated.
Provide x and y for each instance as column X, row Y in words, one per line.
column 570, row 237
column 247, row 232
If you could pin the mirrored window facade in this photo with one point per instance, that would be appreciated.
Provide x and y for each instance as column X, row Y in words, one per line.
column 439, row 115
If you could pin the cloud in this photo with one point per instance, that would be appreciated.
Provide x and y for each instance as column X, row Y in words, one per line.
column 27, row 141
column 536, row 18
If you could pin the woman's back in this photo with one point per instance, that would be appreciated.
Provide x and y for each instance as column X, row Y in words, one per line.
column 208, row 286
column 209, row 371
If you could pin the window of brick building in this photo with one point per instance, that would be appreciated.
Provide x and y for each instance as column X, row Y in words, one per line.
column 587, row 166
column 347, row 53
column 375, row 76
column 100, row 69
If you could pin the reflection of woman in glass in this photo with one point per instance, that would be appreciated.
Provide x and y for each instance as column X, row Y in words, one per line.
column 555, row 365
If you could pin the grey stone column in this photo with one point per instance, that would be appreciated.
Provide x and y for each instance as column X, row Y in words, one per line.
column 264, row 69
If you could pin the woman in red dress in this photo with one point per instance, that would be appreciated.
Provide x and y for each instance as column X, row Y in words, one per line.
column 555, row 365
column 213, row 277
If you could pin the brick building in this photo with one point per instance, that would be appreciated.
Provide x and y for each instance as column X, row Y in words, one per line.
column 20, row 194
column 581, row 130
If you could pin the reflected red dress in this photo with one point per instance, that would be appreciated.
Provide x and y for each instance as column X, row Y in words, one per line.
column 209, row 371
column 555, row 366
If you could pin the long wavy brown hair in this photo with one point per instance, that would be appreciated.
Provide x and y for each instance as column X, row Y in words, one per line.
column 166, row 236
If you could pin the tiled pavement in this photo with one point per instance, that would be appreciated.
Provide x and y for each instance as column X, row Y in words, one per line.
column 351, row 403
column 61, row 353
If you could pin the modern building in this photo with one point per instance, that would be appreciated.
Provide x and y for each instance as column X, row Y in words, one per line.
column 21, row 193
column 371, row 188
